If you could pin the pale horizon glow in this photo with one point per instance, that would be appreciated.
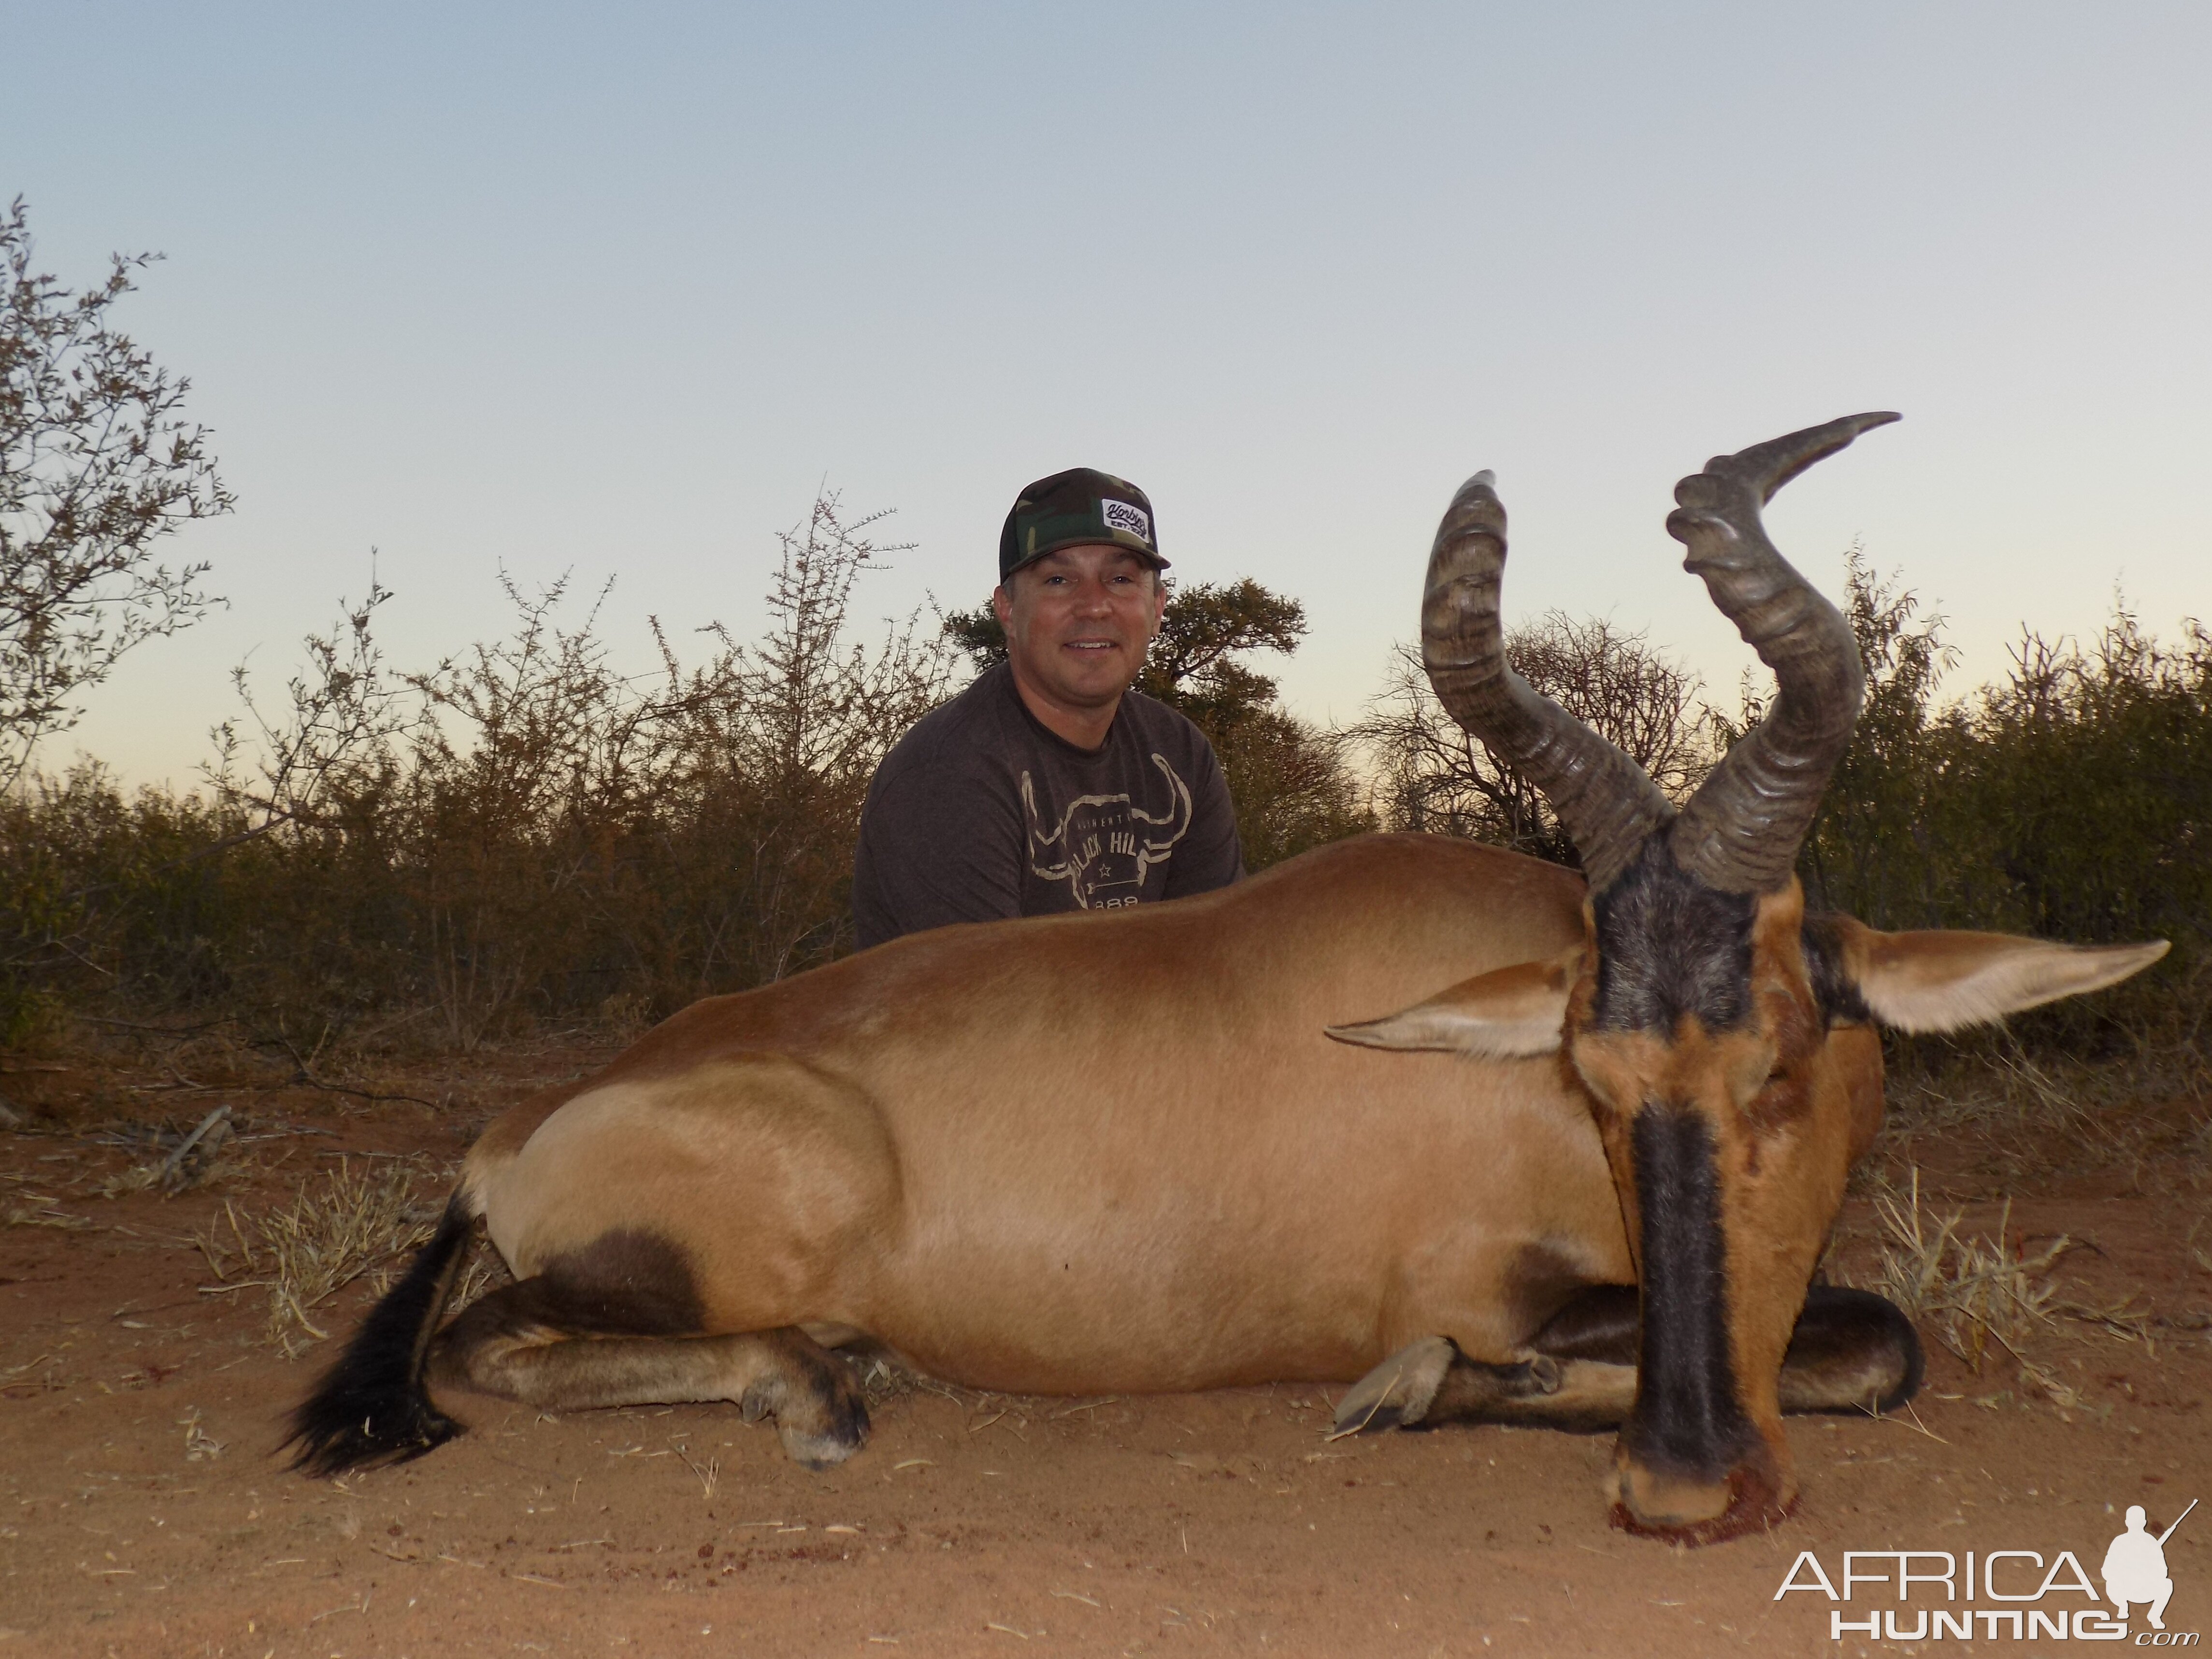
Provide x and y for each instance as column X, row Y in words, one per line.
column 554, row 290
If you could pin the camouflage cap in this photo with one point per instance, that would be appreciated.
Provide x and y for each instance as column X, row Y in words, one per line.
column 1075, row 508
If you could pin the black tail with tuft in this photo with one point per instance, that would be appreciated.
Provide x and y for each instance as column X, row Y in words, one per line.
column 372, row 1407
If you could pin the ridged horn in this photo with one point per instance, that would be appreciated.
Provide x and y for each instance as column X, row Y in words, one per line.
column 1742, row 831
column 1602, row 797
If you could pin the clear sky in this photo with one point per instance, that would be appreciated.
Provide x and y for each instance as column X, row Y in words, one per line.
column 613, row 289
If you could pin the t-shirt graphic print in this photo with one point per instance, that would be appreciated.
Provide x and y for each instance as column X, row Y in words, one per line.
column 981, row 812
column 1104, row 846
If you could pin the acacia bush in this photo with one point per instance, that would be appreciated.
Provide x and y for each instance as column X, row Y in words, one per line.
column 521, row 834
column 98, row 466
column 1295, row 785
column 2069, row 799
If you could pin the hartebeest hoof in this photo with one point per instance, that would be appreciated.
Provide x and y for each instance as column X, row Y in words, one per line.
column 1402, row 1392
column 1396, row 1393
column 821, row 1415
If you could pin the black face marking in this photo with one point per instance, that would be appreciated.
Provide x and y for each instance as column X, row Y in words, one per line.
column 1837, row 993
column 1669, row 945
column 1687, row 1417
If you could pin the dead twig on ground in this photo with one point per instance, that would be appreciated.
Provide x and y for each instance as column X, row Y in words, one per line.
column 181, row 1169
column 303, row 1076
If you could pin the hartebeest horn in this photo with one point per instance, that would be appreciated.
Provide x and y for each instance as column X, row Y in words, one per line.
column 1742, row 831
column 1602, row 797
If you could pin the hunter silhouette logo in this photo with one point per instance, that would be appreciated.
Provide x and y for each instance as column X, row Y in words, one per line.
column 1934, row 1593
column 2135, row 1567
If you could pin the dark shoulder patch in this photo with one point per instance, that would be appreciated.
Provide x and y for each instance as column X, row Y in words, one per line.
column 1833, row 989
column 628, row 1282
column 1669, row 945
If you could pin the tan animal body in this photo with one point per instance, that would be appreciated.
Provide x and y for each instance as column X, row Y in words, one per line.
column 1157, row 1173
column 1406, row 1110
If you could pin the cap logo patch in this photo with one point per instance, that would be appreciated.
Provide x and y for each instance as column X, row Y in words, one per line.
column 1127, row 515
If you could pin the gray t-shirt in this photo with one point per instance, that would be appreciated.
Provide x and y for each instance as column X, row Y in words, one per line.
column 981, row 812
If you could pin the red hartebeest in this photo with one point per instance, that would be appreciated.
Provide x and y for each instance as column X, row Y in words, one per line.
column 1163, row 1148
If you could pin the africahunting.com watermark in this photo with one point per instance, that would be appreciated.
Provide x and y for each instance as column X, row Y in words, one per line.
column 1922, row 1595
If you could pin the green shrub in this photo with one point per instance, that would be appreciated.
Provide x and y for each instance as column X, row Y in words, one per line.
column 2068, row 800
column 525, row 836
column 520, row 835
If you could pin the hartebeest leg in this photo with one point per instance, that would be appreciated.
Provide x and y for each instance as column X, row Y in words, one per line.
column 1851, row 1351
column 502, row 1345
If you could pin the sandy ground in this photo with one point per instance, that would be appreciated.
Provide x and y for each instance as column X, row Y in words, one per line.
column 141, row 1511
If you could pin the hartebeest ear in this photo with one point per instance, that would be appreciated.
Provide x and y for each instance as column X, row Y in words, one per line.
column 1506, row 1014
column 1939, row 982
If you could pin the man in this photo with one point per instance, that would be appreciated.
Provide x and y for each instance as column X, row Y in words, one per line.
column 2134, row 1567
column 1050, row 785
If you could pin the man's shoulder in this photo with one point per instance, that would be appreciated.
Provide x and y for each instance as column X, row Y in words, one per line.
column 972, row 721
column 1157, row 722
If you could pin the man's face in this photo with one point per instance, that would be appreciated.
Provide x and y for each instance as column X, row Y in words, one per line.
column 1078, row 622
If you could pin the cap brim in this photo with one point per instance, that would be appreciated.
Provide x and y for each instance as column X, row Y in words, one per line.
column 1128, row 544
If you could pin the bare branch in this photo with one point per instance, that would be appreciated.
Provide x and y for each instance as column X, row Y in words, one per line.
column 96, row 466
column 1433, row 776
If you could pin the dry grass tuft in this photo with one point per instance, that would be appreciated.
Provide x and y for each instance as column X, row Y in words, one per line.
column 23, row 1215
column 2012, row 1098
column 200, row 1446
column 1971, row 1292
column 136, row 1179
column 709, row 1473
column 305, row 1254
column 29, row 1209
column 1968, row 1289
column 181, row 1160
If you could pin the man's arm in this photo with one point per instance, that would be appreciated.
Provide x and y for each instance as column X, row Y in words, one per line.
column 1210, row 856
column 934, row 849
